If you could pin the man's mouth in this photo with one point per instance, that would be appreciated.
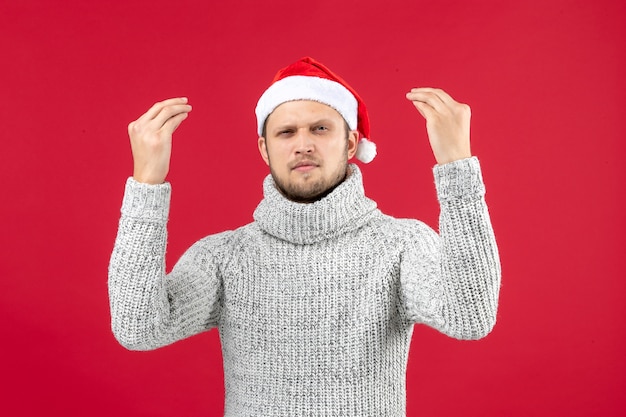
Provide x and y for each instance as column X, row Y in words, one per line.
column 304, row 166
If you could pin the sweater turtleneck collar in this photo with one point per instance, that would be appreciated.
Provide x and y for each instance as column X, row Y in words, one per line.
column 345, row 209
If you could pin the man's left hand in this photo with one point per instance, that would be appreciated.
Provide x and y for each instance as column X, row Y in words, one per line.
column 447, row 123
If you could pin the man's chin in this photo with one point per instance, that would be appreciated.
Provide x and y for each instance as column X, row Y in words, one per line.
column 305, row 196
column 302, row 193
column 306, row 187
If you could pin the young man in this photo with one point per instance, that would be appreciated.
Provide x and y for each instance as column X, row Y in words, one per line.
column 316, row 299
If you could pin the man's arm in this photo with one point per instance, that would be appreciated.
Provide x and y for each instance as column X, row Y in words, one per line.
column 149, row 308
column 452, row 281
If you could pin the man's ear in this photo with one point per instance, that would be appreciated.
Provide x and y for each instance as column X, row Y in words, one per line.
column 263, row 150
column 353, row 142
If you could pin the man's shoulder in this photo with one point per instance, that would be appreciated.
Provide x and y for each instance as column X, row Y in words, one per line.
column 400, row 227
column 229, row 237
column 222, row 246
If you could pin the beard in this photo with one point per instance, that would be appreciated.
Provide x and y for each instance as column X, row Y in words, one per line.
column 311, row 190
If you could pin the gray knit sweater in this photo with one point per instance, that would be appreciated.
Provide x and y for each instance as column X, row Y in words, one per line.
column 315, row 303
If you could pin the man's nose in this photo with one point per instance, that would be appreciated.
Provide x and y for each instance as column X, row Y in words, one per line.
column 304, row 141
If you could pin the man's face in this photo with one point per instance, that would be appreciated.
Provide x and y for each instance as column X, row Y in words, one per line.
column 306, row 149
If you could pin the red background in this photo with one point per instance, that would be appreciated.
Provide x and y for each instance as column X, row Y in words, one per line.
column 545, row 80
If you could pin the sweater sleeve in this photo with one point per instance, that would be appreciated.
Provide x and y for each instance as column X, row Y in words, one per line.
column 451, row 281
column 150, row 308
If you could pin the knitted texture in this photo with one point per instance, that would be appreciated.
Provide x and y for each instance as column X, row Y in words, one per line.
column 315, row 303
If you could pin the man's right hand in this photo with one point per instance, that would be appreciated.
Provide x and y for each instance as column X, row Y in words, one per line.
column 151, row 139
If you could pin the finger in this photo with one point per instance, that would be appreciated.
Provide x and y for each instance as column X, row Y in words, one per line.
column 157, row 107
column 167, row 113
column 435, row 96
column 424, row 109
column 427, row 97
column 438, row 92
column 173, row 122
column 445, row 97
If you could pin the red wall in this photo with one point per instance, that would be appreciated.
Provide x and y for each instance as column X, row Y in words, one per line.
column 546, row 83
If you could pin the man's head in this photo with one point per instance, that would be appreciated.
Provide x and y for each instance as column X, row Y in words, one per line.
column 309, row 122
column 307, row 146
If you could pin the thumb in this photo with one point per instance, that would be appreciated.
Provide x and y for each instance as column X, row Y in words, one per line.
column 173, row 122
column 421, row 107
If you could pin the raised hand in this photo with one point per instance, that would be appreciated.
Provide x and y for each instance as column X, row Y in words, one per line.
column 447, row 123
column 151, row 139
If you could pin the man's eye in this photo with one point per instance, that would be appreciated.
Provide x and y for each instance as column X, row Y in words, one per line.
column 322, row 128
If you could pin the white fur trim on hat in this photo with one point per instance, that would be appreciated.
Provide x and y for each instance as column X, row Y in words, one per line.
column 366, row 151
column 301, row 87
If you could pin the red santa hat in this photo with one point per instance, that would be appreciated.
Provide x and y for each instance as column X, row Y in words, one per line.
column 307, row 79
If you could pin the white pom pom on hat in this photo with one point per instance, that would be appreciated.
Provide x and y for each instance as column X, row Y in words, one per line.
column 308, row 79
column 366, row 151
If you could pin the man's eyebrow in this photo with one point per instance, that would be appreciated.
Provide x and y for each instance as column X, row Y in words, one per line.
column 323, row 121
column 284, row 126
column 315, row 122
